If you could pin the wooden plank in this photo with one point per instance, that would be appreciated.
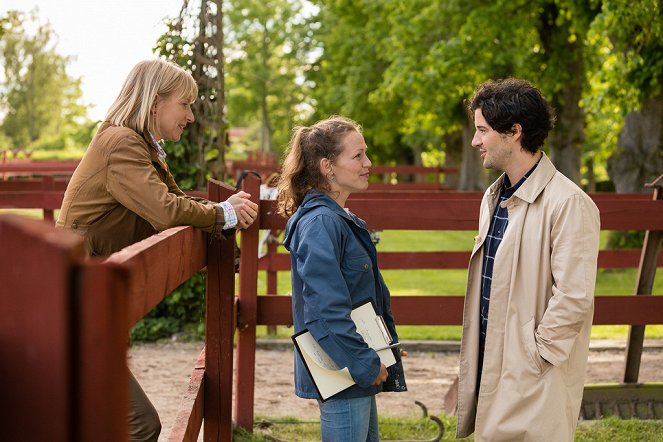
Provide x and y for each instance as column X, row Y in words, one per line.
column 628, row 310
column 39, row 167
column 31, row 199
column 395, row 192
column 36, row 356
column 274, row 310
column 152, row 277
column 408, row 310
column 31, row 184
column 388, row 214
column 448, row 310
column 643, row 286
column 631, row 215
column 432, row 214
column 623, row 259
column 219, row 329
column 608, row 259
column 404, row 193
column 406, row 185
column 101, row 346
column 411, row 169
column 189, row 419
column 246, row 321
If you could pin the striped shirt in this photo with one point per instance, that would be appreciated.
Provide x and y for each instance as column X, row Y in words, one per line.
column 498, row 225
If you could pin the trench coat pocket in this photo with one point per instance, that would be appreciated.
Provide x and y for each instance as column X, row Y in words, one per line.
column 540, row 365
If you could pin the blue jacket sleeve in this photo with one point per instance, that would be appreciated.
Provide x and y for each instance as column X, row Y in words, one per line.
column 327, row 301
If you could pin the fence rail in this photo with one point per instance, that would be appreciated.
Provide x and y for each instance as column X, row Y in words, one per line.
column 64, row 323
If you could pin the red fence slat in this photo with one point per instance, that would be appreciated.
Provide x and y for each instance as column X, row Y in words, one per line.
column 246, row 321
column 154, row 271
column 189, row 417
column 219, row 330
column 102, row 376
column 36, row 310
column 448, row 310
column 39, row 167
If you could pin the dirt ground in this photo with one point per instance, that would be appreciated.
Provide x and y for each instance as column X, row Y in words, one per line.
column 163, row 369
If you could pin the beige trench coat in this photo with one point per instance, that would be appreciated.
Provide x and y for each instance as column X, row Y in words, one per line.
column 121, row 193
column 540, row 317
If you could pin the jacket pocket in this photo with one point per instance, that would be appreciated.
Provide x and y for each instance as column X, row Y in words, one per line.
column 358, row 275
column 357, row 263
column 540, row 365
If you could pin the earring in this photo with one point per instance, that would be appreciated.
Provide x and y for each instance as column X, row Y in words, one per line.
column 331, row 176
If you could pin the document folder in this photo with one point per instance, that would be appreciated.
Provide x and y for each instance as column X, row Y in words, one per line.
column 329, row 379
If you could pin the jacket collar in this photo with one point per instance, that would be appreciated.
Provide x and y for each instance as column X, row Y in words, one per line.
column 313, row 200
column 533, row 186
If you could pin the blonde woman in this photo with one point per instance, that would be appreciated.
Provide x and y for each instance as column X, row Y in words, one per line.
column 334, row 267
column 122, row 191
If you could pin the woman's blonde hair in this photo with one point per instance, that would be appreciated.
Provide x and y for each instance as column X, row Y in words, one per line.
column 147, row 80
column 301, row 167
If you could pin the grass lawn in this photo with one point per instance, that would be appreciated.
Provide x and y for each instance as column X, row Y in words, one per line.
column 605, row 430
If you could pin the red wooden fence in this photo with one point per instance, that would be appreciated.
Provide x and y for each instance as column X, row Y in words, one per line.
column 435, row 212
column 59, row 310
column 64, row 322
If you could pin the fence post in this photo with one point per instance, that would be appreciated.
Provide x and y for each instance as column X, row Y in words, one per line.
column 219, row 329
column 247, row 314
column 47, row 185
column 643, row 286
column 272, row 275
column 102, row 376
column 36, row 330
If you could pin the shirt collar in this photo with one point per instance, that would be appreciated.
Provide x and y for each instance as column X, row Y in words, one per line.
column 506, row 184
column 160, row 152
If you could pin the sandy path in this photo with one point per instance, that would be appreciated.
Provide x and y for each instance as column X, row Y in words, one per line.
column 163, row 369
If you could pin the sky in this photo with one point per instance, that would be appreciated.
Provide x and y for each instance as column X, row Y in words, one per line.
column 105, row 38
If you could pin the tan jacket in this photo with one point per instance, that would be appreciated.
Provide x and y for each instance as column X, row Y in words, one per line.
column 121, row 193
column 540, row 317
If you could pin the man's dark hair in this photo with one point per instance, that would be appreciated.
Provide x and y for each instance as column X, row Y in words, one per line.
column 504, row 103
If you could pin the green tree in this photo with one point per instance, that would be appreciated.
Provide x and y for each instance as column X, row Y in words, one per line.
column 413, row 64
column 349, row 69
column 40, row 101
column 194, row 40
column 265, row 49
column 634, row 33
column 248, row 72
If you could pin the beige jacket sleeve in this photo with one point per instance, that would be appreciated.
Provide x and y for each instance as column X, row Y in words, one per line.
column 575, row 246
column 134, row 183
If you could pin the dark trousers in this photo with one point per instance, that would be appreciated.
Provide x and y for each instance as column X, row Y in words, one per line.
column 144, row 423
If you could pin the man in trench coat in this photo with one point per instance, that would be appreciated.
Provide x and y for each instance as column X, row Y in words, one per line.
column 530, row 290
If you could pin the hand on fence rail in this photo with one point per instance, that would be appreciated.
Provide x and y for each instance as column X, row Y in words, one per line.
column 245, row 209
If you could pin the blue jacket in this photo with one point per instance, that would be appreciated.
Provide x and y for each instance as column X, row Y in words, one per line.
column 334, row 266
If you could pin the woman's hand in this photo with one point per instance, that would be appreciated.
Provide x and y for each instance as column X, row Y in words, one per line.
column 382, row 376
column 245, row 209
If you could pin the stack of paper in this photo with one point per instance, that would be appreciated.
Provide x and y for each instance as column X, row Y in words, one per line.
column 330, row 379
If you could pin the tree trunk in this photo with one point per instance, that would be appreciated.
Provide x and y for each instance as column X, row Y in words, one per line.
column 638, row 158
column 219, row 168
column 266, row 127
column 196, row 135
column 453, row 157
column 566, row 68
column 473, row 175
column 567, row 138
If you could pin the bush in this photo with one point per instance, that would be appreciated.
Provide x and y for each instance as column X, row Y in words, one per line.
column 182, row 311
column 626, row 239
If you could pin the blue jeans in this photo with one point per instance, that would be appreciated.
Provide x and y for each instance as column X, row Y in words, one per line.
column 349, row 420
